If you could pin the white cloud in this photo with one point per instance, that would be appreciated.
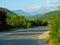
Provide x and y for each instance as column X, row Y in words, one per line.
column 33, row 8
column 52, row 1
column 48, row 3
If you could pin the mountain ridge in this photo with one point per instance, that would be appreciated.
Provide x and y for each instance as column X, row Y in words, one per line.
column 21, row 12
column 50, row 15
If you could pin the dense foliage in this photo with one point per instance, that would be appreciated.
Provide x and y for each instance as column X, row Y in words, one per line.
column 21, row 22
column 55, row 31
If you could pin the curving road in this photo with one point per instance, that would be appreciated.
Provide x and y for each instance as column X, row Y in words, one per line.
column 32, row 36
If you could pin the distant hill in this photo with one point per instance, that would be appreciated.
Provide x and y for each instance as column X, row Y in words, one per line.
column 41, row 10
column 49, row 15
column 20, row 12
column 36, row 16
column 8, row 11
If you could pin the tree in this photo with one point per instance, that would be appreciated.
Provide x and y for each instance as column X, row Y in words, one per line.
column 3, row 16
column 55, row 31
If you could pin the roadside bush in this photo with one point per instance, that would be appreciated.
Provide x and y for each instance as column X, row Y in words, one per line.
column 55, row 31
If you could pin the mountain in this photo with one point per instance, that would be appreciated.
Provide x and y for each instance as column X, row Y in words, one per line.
column 8, row 11
column 35, row 12
column 41, row 10
column 20, row 12
column 50, row 15
column 36, row 16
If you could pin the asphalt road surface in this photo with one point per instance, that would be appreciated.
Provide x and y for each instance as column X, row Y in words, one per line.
column 32, row 36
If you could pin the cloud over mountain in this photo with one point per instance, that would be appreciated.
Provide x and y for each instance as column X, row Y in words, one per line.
column 50, row 5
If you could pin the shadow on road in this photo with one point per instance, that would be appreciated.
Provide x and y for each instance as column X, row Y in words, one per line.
column 23, row 42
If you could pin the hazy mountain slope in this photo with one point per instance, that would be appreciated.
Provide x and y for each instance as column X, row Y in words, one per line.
column 36, row 16
column 8, row 11
column 41, row 10
column 50, row 15
column 20, row 12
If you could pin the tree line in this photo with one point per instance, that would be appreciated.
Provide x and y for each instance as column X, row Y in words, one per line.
column 22, row 22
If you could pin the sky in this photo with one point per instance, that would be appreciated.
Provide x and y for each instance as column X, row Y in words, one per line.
column 28, row 5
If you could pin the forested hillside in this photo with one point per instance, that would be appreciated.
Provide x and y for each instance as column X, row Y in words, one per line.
column 50, row 15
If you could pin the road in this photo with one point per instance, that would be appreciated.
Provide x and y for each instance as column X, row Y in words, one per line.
column 32, row 36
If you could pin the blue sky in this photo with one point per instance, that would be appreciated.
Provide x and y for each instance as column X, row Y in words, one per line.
column 17, row 4
column 28, row 5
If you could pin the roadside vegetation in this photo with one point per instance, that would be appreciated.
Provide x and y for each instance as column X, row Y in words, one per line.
column 54, row 38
